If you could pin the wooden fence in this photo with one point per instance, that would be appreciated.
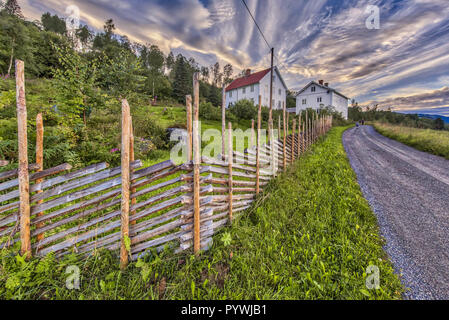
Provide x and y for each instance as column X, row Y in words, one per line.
column 133, row 209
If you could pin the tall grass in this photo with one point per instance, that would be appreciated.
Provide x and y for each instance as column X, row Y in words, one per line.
column 310, row 235
column 427, row 140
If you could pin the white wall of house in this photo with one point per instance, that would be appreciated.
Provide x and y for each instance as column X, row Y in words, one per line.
column 316, row 97
column 250, row 92
column 262, row 88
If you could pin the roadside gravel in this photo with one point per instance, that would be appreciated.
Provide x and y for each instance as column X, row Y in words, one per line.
column 409, row 192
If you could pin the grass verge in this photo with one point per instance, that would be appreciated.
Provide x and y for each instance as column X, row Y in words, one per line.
column 311, row 235
column 427, row 140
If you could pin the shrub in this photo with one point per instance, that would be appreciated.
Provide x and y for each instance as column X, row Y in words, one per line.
column 209, row 112
column 244, row 109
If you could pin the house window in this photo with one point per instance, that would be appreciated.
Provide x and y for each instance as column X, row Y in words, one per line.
column 244, row 90
column 252, row 88
column 318, row 99
column 230, row 94
column 280, row 91
column 313, row 89
column 304, row 101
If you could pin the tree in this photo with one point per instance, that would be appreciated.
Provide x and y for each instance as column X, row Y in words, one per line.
column 84, row 35
column 53, row 23
column 155, row 60
column 217, row 76
column 227, row 74
column 439, row 124
column 13, row 8
column 205, row 74
column 121, row 74
column 15, row 42
column 109, row 28
column 75, row 82
column 182, row 83
column 170, row 61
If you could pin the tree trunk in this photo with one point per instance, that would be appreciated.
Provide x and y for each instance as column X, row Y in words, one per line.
column 12, row 56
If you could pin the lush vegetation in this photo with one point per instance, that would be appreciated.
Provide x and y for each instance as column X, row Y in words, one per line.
column 356, row 113
column 432, row 141
column 310, row 235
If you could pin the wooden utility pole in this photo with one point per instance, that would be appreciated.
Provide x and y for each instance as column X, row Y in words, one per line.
column 24, row 183
column 284, row 151
column 252, row 134
column 259, row 120
column 223, row 121
column 132, row 159
column 125, row 154
column 270, row 120
column 40, row 162
column 230, row 160
column 196, row 165
column 189, row 127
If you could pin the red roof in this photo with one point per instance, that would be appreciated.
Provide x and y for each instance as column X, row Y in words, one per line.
column 247, row 80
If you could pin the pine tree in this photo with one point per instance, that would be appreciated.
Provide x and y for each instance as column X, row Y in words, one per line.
column 181, row 82
column 13, row 8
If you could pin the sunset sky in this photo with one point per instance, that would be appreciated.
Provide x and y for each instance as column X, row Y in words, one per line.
column 404, row 64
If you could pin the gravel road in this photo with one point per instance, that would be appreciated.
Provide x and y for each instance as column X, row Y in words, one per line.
column 409, row 192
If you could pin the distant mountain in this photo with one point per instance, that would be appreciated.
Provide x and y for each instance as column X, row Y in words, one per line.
column 433, row 114
column 433, row 117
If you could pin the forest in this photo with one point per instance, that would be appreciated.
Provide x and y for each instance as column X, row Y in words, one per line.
column 76, row 79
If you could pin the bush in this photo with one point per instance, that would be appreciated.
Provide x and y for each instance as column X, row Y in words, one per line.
column 209, row 112
column 244, row 109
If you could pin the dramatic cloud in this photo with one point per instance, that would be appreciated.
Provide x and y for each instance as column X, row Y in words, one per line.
column 326, row 39
column 432, row 100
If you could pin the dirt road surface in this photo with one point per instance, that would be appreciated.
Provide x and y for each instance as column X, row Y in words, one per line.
column 409, row 192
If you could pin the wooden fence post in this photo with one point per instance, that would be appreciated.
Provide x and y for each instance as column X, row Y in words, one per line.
column 279, row 128
column 223, row 121
column 306, row 131
column 252, row 135
column 196, row 166
column 24, row 184
column 293, row 139
column 125, row 155
column 259, row 116
column 285, row 142
column 189, row 126
column 132, row 159
column 40, row 162
column 230, row 160
column 299, row 135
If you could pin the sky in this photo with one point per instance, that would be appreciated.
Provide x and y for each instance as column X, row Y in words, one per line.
column 403, row 64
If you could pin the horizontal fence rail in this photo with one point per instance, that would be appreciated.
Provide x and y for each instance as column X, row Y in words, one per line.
column 133, row 209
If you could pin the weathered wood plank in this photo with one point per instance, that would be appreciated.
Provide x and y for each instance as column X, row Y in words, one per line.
column 13, row 173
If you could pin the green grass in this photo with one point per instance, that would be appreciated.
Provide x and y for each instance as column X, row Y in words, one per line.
column 311, row 235
column 427, row 140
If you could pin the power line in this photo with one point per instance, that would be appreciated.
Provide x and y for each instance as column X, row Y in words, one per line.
column 257, row 25
column 281, row 64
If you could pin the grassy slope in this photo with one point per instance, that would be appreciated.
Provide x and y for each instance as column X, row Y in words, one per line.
column 311, row 237
column 432, row 141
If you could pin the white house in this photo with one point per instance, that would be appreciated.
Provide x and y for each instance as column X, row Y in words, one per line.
column 252, row 85
column 318, row 95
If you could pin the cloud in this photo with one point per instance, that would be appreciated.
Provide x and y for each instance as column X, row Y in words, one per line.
column 324, row 39
column 432, row 100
